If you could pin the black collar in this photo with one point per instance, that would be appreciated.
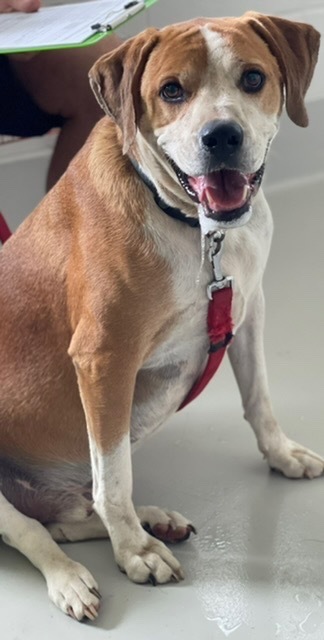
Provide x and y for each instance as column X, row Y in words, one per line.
column 170, row 211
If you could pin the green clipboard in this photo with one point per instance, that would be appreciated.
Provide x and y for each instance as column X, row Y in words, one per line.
column 85, row 43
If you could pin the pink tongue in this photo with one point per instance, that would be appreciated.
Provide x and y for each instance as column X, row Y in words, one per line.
column 223, row 190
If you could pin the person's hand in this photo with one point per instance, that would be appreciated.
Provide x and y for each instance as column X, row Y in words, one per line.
column 27, row 6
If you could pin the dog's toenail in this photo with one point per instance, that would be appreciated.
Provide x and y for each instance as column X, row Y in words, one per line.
column 152, row 580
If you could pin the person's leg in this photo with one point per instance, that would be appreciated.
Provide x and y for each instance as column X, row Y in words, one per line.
column 57, row 81
column 19, row 115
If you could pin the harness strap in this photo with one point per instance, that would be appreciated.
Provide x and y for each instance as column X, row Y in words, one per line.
column 5, row 232
column 220, row 327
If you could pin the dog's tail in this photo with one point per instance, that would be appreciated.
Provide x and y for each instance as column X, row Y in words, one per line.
column 5, row 232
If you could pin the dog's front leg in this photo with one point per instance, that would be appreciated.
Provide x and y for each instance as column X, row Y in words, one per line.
column 248, row 362
column 106, row 380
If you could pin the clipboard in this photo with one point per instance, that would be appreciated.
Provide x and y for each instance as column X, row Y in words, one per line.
column 106, row 17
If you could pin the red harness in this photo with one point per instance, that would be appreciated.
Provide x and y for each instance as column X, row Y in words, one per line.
column 220, row 326
column 219, row 318
column 5, row 232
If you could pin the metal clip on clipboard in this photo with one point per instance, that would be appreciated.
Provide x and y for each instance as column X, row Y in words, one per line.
column 130, row 9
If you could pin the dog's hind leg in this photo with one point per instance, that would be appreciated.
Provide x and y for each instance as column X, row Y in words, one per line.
column 87, row 529
column 70, row 586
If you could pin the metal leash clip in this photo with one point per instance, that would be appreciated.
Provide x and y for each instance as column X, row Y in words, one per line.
column 214, row 255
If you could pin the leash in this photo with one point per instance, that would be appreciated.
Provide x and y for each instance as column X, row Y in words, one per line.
column 5, row 232
column 219, row 317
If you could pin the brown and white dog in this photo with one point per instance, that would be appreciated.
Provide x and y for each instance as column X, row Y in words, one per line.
column 103, row 294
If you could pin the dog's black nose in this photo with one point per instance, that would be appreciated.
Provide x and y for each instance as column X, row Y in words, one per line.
column 222, row 138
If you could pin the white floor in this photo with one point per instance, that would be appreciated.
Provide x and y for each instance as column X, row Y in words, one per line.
column 255, row 571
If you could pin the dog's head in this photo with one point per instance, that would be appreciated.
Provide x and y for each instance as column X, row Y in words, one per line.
column 202, row 99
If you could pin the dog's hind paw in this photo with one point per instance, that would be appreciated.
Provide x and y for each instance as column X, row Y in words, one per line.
column 294, row 460
column 73, row 589
column 168, row 526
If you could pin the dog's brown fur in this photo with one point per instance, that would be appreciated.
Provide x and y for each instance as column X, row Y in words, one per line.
column 81, row 265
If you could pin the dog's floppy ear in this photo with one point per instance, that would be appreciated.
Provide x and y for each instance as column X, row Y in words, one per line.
column 116, row 81
column 295, row 45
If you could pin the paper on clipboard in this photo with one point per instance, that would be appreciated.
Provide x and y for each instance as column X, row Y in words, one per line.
column 64, row 24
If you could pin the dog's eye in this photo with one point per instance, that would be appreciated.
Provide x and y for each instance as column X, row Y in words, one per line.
column 252, row 80
column 172, row 92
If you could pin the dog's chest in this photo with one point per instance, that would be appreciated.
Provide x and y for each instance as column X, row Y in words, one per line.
column 174, row 365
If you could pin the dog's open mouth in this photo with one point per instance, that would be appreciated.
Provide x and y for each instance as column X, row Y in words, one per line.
column 225, row 194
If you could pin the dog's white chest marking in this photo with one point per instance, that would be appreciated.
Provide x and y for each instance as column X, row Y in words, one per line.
column 169, row 373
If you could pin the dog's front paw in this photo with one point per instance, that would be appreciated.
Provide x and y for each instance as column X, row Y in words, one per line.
column 73, row 589
column 294, row 460
column 152, row 562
